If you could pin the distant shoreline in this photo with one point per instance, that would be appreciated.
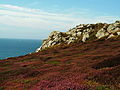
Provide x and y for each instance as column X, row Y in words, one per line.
column 21, row 39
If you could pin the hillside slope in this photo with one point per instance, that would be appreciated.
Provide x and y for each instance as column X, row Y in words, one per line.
column 94, row 65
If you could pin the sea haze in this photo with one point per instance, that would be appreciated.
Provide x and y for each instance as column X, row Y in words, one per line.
column 17, row 47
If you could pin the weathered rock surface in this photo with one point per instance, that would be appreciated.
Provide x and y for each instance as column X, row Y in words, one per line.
column 82, row 33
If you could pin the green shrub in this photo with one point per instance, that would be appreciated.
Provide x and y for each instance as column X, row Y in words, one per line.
column 103, row 88
column 2, row 88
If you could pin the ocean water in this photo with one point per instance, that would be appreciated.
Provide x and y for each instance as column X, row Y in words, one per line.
column 17, row 47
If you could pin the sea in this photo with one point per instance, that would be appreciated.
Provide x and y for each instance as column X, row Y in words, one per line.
column 17, row 47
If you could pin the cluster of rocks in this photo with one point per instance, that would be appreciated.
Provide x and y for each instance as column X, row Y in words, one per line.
column 82, row 33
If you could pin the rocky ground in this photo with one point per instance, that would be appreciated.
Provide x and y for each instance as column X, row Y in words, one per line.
column 82, row 33
column 93, row 65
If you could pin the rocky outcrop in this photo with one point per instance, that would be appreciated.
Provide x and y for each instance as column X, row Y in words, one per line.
column 82, row 33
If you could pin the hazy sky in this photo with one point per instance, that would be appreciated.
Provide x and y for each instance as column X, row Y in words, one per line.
column 35, row 19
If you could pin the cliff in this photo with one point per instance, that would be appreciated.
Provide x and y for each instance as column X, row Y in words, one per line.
column 82, row 33
column 92, row 65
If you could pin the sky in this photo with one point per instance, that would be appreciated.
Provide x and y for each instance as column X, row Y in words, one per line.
column 35, row 19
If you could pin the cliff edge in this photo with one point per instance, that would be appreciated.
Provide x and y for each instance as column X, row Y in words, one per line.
column 82, row 33
column 93, row 65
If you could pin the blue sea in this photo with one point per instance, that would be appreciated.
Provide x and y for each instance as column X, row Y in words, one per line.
column 17, row 47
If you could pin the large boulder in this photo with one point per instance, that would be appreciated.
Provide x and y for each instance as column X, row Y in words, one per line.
column 113, row 28
column 85, row 36
column 102, row 33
